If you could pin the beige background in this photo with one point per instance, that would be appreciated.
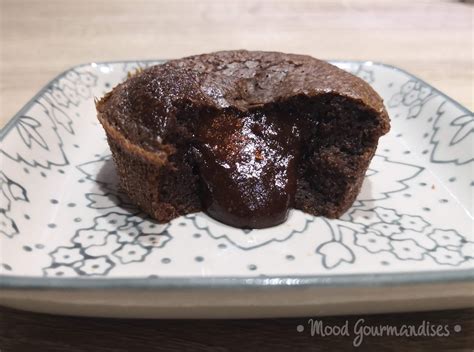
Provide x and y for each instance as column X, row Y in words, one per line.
column 39, row 39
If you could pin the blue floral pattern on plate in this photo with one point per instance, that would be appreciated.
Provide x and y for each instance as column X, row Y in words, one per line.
column 62, row 213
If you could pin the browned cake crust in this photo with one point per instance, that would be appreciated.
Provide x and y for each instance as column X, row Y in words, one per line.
column 151, row 120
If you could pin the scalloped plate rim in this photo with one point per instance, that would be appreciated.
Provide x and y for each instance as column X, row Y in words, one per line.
column 12, row 282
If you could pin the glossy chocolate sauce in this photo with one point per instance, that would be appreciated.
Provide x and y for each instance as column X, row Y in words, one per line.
column 247, row 166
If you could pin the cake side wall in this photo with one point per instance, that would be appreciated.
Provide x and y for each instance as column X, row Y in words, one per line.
column 332, row 182
column 144, row 183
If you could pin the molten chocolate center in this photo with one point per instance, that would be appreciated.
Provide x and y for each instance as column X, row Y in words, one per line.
column 247, row 166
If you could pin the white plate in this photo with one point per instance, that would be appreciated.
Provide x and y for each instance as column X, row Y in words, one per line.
column 71, row 243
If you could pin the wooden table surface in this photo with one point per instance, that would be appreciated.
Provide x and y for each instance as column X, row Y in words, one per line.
column 20, row 331
column 39, row 39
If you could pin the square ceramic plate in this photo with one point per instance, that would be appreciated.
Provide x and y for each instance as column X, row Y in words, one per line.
column 72, row 243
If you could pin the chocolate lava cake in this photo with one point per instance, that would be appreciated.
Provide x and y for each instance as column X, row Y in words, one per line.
column 243, row 135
